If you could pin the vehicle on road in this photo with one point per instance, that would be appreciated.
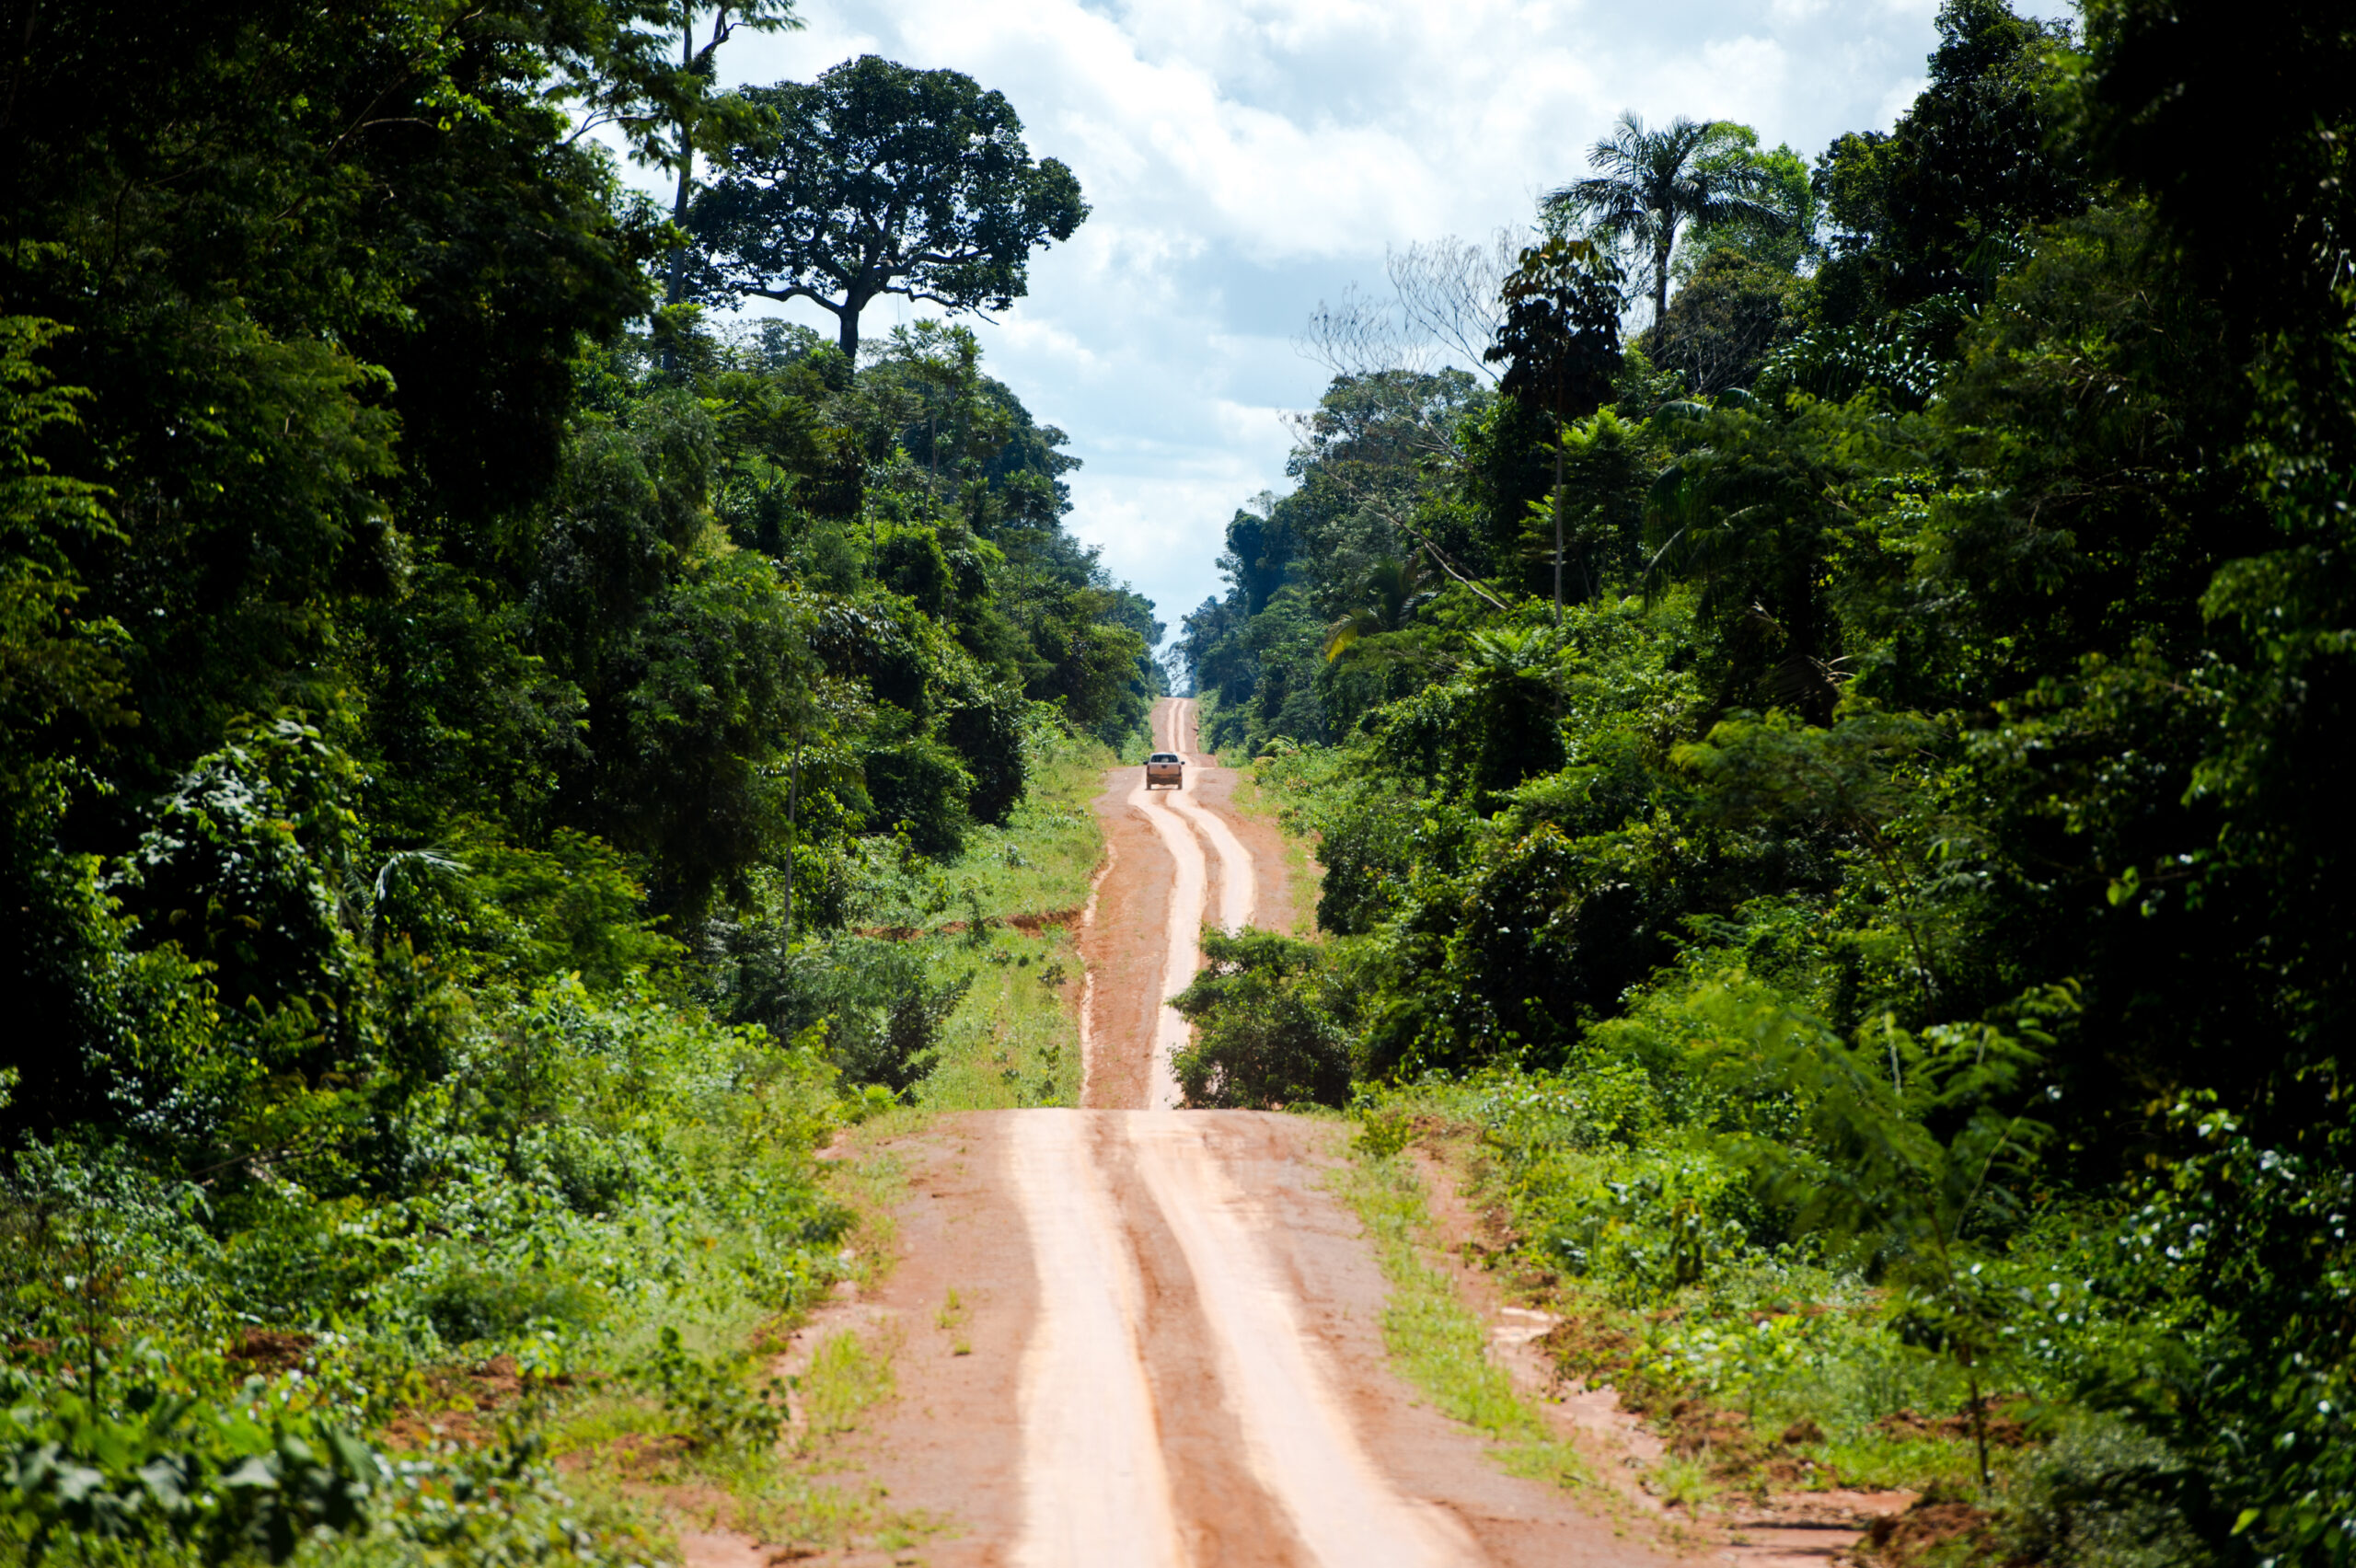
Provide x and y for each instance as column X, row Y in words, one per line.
column 1165, row 768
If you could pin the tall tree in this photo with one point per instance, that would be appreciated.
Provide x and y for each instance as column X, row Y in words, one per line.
column 1942, row 204
column 1561, row 345
column 670, row 109
column 1650, row 185
column 880, row 180
column 695, row 107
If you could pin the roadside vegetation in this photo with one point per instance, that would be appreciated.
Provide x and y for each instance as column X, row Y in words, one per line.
column 1438, row 1342
column 480, row 751
column 1826, row 771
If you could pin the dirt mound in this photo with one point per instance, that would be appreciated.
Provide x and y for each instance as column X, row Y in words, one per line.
column 271, row 1350
column 2007, row 1427
column 1901, row 1539
column 1584, row 1348
column 1696, row 1429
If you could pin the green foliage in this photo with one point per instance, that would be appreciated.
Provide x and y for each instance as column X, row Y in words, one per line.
column 1651, row 185
column 1938, row 205
column 448, row 706
column 1561, row 331
column 925, row 167
column 1915, row 883
column 1265, row 1034
column 1723, row 324
column 228, row 1482
column 2103, row 1493
column 712, row 1403
column 54, row 663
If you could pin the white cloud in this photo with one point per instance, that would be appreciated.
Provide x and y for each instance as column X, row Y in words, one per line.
column 1245, row 158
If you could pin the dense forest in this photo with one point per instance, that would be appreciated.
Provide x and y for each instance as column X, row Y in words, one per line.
column 1822, row 687
column 458, row 706
column 1829, row 735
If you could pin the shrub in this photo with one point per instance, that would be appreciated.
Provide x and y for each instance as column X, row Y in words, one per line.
column 1265, row 1034
column 2104, row 1495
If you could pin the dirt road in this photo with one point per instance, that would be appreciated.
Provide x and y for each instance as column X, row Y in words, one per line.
column 1130, row 1336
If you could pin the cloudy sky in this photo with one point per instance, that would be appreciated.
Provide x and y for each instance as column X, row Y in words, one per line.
column 1248, row 159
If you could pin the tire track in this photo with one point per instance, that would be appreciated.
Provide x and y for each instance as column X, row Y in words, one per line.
column 1095, row 1489
column 1239, row 889
column 1296, row 1432
column 1182, row 937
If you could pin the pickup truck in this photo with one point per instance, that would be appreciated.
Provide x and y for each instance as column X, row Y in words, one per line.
column 1165, row 768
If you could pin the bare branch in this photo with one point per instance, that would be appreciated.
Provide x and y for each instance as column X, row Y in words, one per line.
column 1448, row 293
column 1359, row 336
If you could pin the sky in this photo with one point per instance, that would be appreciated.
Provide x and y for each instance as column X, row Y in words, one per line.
column 1247, row 159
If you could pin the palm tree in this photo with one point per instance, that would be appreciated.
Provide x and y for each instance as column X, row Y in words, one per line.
column 1649, row 185
column 1394, row 591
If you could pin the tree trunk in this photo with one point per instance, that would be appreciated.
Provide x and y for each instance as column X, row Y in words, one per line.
column 1979, row 1427
column 675, row 282
column 849, row 316
column 1559, row 434
column 793, row 803
column 1660, row 282
column 675, row 285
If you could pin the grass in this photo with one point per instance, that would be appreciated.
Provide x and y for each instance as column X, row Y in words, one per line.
column 951, row 1321
column 847, row 1375
column 625, row 1451
column 1306, row 877
column 1682, row 1484
column 1014, row 1040
column 1042, row 859
column 1840, row 1370
column 1438, row 1343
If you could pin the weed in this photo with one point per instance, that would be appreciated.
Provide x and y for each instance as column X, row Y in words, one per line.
column 1384, row 1131
column 713, row 1403
column 1681, row 1482
column 845, row 1377
column 1434, row 1339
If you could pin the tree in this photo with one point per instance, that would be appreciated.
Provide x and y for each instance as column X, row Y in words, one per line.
column 877, row 180
column 670, row 111
column 1562, row 336
column 1726, row 319
column 1650, row 185
column 1787, row 243
column 1394, row 591
column 1942, row 204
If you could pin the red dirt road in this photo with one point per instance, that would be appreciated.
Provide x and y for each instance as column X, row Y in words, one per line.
column 1165, row 1350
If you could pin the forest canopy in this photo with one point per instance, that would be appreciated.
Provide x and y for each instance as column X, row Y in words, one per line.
column 1938, row 756
column 456, row 711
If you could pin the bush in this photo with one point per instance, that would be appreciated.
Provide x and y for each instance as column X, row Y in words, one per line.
column 2103, row 1495
column 882, row 1013
column 1265, row 1035
column 228, row 1480
column 471, row 1303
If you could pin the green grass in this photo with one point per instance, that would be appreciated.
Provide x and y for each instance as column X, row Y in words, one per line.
column 1436, row 1343
column 627, row 1453
column 1682, row 1484
column 1014, row 1041
column 848, row 1373
column 1043, row 859
column 1303, row 875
